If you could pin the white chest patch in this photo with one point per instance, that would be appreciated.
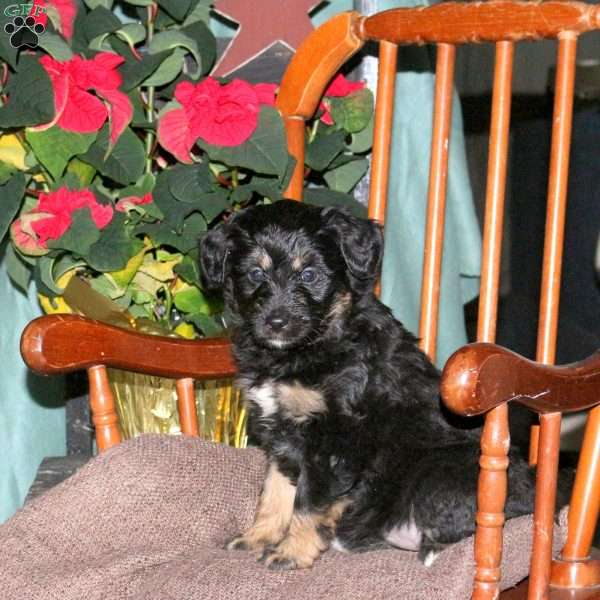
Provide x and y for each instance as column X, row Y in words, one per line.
column 406, row 536
column 297, row 402
column 265, row 396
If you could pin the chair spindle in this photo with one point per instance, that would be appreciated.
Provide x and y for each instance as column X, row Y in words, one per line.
column 186, row 405
column 384, row 113
column 495, row 439
column 436, row 202
column 102, row 405
column 549, row 435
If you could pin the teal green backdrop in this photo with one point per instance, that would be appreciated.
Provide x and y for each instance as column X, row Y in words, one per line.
column 32, row 414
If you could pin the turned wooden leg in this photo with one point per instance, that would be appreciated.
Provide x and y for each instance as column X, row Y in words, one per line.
column 104, row 413
column 491, row 496
column 576, row 568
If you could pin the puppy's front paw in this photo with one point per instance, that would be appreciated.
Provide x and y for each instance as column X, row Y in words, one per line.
column 238, row 543
column 292, row 553
column 255, row 540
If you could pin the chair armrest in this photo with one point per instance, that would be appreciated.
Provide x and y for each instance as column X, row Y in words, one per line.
column 479, row 377
column 65, row 343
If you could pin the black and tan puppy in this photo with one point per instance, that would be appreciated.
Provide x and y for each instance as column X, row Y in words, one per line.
column 346, row 407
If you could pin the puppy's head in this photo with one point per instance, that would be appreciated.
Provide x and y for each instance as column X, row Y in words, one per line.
column 290, row 271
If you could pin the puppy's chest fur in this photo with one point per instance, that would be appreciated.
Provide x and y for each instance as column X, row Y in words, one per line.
column 289, row 400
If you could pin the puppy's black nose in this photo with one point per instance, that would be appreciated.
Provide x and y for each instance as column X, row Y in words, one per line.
column 277, row 321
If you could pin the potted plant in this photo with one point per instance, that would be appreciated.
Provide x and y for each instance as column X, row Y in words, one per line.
column 118, row 151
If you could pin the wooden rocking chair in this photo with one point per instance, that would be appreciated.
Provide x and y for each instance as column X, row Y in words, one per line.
column 480, row 378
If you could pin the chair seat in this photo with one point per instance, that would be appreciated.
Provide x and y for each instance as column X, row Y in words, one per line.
column 148, row 519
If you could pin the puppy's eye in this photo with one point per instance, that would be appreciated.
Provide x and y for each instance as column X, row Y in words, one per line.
column 257, row 275
column 308, row 275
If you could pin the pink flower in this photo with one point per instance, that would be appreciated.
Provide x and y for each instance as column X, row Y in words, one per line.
column 53, row 216
column 79, row 110
column 129, row 202
column 225, row 115
column 340, row 87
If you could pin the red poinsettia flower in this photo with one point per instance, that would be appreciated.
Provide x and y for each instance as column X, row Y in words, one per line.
column 52, row 217
column 65, row 10
column 338, row 88
column 225, row 115
column 129, row 202
column 79, row 110
column 266, row 93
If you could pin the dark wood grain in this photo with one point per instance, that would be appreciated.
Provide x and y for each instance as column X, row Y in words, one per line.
column 65, row 343
column 479, row 377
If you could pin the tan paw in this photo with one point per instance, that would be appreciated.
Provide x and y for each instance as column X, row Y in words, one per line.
column 290, row 554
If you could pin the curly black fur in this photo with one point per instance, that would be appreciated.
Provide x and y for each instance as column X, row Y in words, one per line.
column 299, row 282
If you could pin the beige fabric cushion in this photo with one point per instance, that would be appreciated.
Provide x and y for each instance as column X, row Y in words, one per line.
column 148, row 519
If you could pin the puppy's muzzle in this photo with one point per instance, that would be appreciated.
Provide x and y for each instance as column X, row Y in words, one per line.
column 277, row 321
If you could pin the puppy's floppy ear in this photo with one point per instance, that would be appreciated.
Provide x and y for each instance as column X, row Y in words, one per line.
column 214, row 248
column 360, row 240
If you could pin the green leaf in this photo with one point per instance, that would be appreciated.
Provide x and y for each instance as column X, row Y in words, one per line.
column 163, row 234
column 82, row 170
column 44, row 277
column 136, row 71
column 18, row 271
column 7, row 52
column 362, row 140
column 188, row 182
column 56, row 46
column 346, row 176
column 54, row 147
column 31, row 100
column 323, row 149
column 125, row 164
column 11, row 196
column 99, row 21
column 207, row 44
column 170, row 67
column 206, row 324
column 173, row 210
column 132, row 33
column 142, row 186
column 105, row 286
column 213, row 204
column 265, row 151
column 191, row 300
column 196, row 39
column 81, row 235
column 6, row 171
column 353, row 112
column 139, row 2
column 92, row 4
column 188, row 270
column 325, row 197
column 114, row 247
column 176, row 8
column 200, row 12
column 266, row 187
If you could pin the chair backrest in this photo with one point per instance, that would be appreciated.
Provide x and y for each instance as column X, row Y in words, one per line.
column 448, row 25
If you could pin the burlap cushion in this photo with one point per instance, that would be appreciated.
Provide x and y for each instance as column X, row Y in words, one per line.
column 147, row 520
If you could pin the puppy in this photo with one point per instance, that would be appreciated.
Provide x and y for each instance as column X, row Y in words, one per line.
column 346, row 407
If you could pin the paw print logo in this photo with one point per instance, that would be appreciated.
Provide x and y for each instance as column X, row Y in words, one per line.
column 24, row 32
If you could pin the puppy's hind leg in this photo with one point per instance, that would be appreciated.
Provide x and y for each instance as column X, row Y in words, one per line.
column 273, row 516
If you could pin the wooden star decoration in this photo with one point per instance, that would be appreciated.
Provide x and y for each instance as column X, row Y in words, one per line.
column 262, row 23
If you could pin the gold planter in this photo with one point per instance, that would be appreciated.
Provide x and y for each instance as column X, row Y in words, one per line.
column 148, row 404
